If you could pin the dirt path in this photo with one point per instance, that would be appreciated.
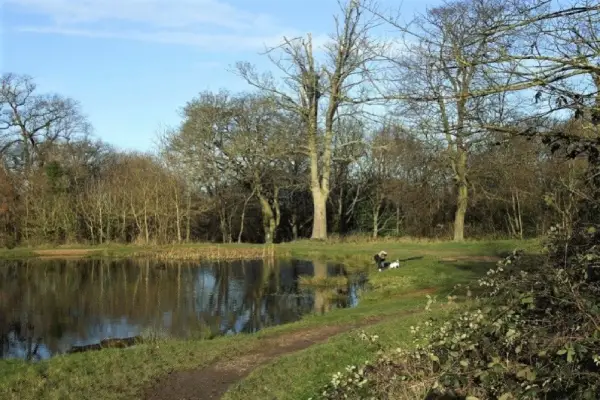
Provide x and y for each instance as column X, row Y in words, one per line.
column 213, row 381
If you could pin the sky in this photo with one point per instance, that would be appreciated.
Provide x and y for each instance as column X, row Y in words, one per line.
column 133, row 64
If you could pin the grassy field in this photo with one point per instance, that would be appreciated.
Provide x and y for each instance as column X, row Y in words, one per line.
column 122, row 374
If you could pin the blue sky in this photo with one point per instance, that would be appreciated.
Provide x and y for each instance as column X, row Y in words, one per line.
column 132, row 64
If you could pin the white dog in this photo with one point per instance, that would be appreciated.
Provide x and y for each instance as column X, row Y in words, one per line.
column 384, row 265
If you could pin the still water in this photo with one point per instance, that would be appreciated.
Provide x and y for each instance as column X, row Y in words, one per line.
column 49, row 306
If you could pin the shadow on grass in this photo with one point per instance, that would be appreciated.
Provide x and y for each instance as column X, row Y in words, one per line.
column 477, row 269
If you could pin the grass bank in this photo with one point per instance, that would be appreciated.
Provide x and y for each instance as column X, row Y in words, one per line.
column 354, row 252
column 122, row 374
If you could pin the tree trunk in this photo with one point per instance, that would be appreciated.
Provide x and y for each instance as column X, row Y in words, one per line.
column 319, row 231
column 459, row 216
column 294, row 223
column 337, row 222
column 188, row 212
column 223, row 225
column 124, row 226
column 26, row 224
column 270, row 231
column 178, row 217
column 108, row 230
column 101, row 227
column 375, row 220
column 462, row 192
column 146, row 230
column 91, row 228
column 398, row 220
column 518, row 216
column 461, row 210
column 269, row 223
column 243, row 217
column 458, row 162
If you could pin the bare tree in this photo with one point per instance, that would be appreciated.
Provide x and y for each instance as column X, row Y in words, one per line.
column 28, row 120
column 306, row 83
column 442, row 65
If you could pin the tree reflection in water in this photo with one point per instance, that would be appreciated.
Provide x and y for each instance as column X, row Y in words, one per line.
column 48, row 306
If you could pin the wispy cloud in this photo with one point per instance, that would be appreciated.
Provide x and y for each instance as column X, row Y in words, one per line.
column 157, row 13
column 220, row 42
column 210, row 24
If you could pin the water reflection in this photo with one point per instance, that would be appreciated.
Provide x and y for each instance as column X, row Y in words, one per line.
column 48, row 306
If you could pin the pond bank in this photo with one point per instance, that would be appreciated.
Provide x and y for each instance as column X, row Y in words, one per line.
column 127, row 374
column 331, row 250
column 208, row 252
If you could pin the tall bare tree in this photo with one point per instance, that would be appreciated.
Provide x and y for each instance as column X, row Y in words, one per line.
column 307, row 83
column 442, row 65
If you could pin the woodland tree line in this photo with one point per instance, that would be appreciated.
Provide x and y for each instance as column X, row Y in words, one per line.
column 438, row 131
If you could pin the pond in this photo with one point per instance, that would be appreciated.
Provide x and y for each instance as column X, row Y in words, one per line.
column 49, row 307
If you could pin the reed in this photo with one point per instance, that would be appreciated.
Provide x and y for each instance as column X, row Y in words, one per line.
column 214, row 253
column 322, row 282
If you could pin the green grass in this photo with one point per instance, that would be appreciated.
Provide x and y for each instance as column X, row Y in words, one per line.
column 352, row 252
column 122, row 374
column 20, row 252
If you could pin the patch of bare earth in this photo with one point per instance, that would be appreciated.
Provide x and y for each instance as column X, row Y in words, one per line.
column 472, row 258
column 213, row 381
column 63, row 253
column 415, row 293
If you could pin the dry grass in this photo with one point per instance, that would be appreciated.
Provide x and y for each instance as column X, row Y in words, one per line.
column 367, row 238
column 322, row 282
column 214, row 253
column 64, row 253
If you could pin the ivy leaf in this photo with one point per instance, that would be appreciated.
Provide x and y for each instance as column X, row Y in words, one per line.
column 570, row 354
column 527, row 373
column 464, row 363
column 561, row 352
column 527, row 300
